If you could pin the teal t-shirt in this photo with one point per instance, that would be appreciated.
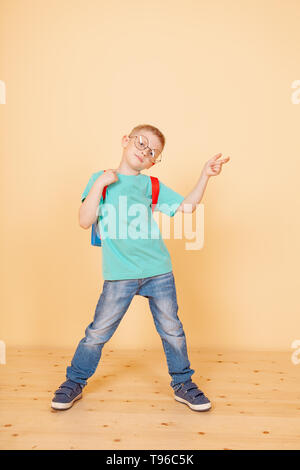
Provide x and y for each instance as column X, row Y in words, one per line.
column 132, row 245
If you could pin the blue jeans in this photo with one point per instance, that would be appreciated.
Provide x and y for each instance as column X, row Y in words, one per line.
column 112, row 305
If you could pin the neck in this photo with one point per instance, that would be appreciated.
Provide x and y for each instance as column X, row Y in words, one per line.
column 125, row 169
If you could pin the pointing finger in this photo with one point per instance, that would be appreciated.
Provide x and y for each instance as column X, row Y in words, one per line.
column 215, row 157
column 224, row 160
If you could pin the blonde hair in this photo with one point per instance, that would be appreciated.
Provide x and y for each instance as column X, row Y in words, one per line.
column 152, row 129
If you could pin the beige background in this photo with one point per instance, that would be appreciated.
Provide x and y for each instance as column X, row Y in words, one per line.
column 214, row 76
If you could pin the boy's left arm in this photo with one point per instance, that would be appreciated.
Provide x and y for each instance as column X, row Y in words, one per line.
column 211, row 168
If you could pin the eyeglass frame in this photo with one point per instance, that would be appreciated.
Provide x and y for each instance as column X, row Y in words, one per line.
column 155, row 161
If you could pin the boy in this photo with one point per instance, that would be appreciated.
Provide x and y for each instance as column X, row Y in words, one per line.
column 136, row 266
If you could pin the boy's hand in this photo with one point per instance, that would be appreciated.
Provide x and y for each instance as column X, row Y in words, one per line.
column 213, row 166
column 109, row 176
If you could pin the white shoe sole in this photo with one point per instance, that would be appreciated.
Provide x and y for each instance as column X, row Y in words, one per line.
column 203, row 407
column 64, row 406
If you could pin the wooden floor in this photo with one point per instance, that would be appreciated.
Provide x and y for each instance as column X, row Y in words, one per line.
column 129, row 404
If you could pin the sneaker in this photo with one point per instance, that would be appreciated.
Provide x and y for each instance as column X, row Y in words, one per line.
column 66, row 395
column 190, row 394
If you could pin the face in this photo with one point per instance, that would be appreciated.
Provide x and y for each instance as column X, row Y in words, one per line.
column 139, row 159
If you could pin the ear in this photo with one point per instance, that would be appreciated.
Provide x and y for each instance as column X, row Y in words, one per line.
column 123, row 141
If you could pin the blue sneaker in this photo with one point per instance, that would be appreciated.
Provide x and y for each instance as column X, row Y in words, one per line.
column 189, row 393
column 66, row 395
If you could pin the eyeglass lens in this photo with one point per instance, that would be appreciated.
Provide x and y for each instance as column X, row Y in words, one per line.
column 141, row 143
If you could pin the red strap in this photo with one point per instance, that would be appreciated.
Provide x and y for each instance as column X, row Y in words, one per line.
column 104, row 191
column 155, row 191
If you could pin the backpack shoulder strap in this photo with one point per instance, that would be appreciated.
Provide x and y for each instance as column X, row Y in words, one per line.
column 155, row 191
column 104, row 191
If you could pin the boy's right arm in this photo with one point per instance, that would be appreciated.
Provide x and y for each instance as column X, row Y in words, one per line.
column 88, row 211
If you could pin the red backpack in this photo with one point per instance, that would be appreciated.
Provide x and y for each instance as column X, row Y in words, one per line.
column 96, row 238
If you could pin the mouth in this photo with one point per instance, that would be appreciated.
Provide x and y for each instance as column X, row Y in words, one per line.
column 139, row 158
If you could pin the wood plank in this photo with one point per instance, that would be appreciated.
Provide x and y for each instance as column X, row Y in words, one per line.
column 129, row 404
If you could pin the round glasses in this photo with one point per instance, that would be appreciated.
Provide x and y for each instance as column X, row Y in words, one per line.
column 141, row 142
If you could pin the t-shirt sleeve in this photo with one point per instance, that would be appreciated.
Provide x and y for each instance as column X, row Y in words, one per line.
column 90, row 184
column 168, row 200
